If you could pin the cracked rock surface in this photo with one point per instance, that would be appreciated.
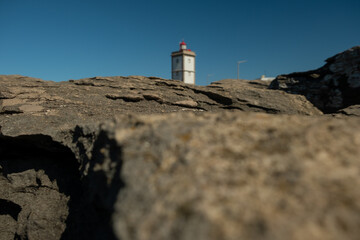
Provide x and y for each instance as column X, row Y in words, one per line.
column 101, row 98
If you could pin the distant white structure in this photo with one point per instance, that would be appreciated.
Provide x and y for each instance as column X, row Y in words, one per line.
column 264, row 78
column 183, row 64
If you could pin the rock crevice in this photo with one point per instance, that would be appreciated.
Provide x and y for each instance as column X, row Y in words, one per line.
column 40, row 187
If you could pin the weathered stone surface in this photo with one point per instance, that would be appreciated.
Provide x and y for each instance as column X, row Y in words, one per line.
column 350, row 111
column 238, row 176
column 187, row 103
column 334, row 86
column 147, row 158
column 228, row 176
column 253, row 96
column 208, row 176
column 5, row 93
column 36, row 186
column 96, row 99
column 10, row 110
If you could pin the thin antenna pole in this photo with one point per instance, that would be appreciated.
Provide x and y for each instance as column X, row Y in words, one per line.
column 238, row 71
column 208, row 78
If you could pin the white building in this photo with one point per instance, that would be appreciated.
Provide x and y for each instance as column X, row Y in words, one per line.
column 264, row 78
column 183, row 64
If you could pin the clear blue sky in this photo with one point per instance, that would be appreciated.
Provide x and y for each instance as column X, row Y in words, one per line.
column 72, row 39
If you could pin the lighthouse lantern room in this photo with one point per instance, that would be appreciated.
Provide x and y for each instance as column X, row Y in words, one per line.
column 183, row 64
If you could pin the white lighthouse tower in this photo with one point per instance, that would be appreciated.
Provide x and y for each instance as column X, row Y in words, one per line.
column 183, row 64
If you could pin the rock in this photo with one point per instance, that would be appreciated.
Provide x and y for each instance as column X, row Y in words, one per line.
column 117, row 158
column 5, row 93
column 350, row 111
column 65, row 104
column 10, row 110
column 228, row 176
column 209, row 176
column 187, row 103
column 36, row 185
column 126, row 98
column 153, row 96
column 332, row 87
column 255, row 97
column 31, row 108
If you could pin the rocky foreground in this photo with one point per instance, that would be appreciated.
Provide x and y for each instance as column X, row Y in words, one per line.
column 148, row 158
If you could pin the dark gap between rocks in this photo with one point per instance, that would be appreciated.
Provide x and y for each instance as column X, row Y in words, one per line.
column 101, row 181
column 103, row 186
column 42, row 191
column 9, row 208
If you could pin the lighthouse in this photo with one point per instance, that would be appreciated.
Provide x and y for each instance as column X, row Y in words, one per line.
column 183, row 64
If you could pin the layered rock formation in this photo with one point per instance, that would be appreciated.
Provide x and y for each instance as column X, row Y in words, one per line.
column 148, row 158
column 330, row 88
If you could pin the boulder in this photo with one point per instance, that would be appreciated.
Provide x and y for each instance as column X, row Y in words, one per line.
column 235, row 176
column 228, row 175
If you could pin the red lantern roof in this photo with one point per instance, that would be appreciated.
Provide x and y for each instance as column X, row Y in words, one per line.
column 182, row 43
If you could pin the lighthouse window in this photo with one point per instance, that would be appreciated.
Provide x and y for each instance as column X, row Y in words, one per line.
column 189, row 60
column 189, row 73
